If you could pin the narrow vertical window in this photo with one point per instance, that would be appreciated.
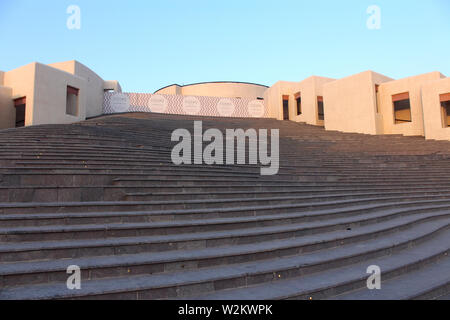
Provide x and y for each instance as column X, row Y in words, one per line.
column 402, row 108
column 20, row 105
column 72, row 101
column 377, row 89
column 445, row 109
column 320, row 110
column 298, row 100
column 285, row 107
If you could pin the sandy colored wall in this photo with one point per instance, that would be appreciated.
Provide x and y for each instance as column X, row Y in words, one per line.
column 50, row 96
column 94, row 90
column 7, row 110
column 310, row 89
column 45, row 89
column 22, row 80
column 2, row 74
column 95, row 85
column 217, row 89
column 412, row 85
column 67, row 66
column 432, row 109
column 274, row 98
column 173, row 89
column 350, row 103
column 309, row 105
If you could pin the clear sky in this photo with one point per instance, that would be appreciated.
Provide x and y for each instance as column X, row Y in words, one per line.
column 150, row 44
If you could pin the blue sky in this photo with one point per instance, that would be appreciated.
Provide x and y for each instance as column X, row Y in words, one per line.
column 150, row 44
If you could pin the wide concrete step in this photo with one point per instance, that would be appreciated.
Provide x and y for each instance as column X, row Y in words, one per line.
column 113, row 193
column 348, row 167
column 430, row 282
column 95, row 179
column 193, row 182
column 145, row 222
column 364, row 226
column 332, row 282
column 260, row 194
column 214, row 206
column 131, row 163
column 155, row 172
column 320, row 161
column 78, row 179
column 85, row 176
column 205, row 280
column 167, row 164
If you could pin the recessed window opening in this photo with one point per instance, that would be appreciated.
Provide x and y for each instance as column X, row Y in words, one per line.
column 445, row 109
column 72, row 101
column 285, row 107
column 298, row 100
column 402, row 108
column 20, row 106
column 377, row 89
column 320, row 110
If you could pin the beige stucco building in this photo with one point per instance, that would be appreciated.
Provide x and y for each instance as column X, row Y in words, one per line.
column 297, row 101
column 372, row 103
column 352, row 103
column 367, row 102
column 398, row 118
column 63, row 92
column 436, row 107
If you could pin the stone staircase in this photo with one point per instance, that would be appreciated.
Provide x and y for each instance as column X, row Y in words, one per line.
column 104, row 195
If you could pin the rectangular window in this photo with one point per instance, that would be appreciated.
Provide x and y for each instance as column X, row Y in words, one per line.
column 298, row 100
column 402, row 108
column 445, row 109
column 377, row 89
column 72, row 101
column 20, row 105
column 285, row 107
column 320, row 110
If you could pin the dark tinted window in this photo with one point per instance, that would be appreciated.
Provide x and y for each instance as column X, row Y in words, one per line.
column 20, row 116
column 402, row 111
column 445, row 113
column 286, row 109
column 320, row 110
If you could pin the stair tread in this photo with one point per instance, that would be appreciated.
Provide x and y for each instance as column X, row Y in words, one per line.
column 308, row 284
column 211, row 221
column 436, row 246
column 160, row 257
column 202, row 201
column 406, row 286
column 41, row 245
